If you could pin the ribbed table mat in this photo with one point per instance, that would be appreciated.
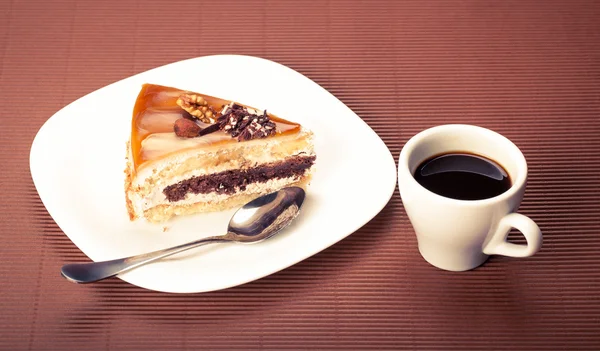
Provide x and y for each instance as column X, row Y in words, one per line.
column 527, row 69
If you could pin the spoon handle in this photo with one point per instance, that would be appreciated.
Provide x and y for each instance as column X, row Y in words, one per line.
column 95, row 271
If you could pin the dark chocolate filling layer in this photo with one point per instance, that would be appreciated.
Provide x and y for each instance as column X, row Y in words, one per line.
column 228, row 182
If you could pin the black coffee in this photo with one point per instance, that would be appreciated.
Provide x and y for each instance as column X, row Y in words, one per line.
column 463, row 176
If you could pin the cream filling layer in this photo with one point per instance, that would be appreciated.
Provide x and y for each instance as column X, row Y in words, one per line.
column 272, row 151
column 159, row 144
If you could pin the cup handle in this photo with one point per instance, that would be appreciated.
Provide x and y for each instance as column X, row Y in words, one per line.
column 499, row 246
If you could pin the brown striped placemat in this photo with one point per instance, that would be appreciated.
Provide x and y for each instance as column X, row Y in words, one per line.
column 527, row 69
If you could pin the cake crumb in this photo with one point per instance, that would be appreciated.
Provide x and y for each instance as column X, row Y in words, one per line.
column 165, row 229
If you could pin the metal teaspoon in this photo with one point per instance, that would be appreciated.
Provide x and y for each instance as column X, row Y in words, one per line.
column 256, row 221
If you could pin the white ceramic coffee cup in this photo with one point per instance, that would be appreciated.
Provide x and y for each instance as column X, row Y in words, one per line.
column 459, row 235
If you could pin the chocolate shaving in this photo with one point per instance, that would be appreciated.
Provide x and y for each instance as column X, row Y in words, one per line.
column 241, row 124
column 210, row 129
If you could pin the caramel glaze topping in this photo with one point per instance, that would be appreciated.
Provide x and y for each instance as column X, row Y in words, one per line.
column 156, row 111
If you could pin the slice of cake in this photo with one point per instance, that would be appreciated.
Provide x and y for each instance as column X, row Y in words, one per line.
column 191, row 153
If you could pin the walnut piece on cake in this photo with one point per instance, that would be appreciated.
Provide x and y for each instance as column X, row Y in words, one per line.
column 196, row 106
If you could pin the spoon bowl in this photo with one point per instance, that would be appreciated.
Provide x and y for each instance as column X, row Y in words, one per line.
column 265, row 216
column 256, row 221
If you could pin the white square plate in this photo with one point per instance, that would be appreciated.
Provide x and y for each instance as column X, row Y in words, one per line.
column 78, row 158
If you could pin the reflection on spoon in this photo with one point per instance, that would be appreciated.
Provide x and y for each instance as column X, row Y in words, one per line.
column 256, row 221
